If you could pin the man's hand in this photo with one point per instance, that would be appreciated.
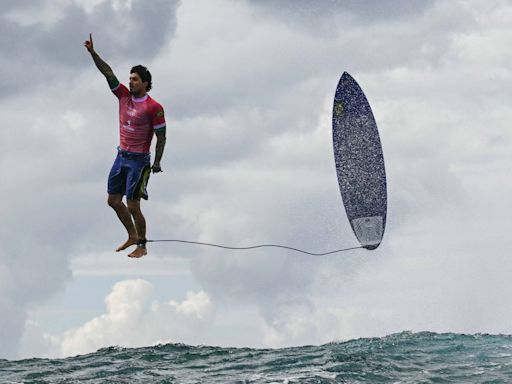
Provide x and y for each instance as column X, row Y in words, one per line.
column 89, row 44
column 156, row 168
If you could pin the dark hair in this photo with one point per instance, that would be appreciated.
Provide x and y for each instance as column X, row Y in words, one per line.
column 144, row 74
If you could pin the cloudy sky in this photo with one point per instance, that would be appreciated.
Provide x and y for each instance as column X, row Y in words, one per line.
column 247, row 87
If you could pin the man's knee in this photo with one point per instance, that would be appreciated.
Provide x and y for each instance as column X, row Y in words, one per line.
column 115, row 201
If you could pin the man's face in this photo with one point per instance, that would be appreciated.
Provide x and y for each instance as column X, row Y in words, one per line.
column 136, row 85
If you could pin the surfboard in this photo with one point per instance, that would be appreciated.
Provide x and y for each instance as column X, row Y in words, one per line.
column 359, row 162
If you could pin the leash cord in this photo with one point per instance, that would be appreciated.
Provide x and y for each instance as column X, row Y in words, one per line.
column 255, row 247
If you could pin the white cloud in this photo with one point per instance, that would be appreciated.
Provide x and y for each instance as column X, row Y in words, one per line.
column 132, row 319
column 196, row 304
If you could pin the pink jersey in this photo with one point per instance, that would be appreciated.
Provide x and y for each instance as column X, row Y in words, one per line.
column 138, row 119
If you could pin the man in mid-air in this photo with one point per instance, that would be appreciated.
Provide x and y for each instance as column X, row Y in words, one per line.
column 140, row 117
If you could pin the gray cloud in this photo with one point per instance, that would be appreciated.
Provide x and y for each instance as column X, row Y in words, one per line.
column 55, row 52
column 9, row 5
column 365, row 10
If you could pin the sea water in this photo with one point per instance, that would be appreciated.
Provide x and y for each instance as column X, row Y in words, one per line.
column 399, row 358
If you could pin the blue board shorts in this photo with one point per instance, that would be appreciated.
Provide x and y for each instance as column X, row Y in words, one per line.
column 130, row 175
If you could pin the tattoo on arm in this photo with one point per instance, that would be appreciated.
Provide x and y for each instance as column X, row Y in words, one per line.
column 160, row 144
column 104, row 68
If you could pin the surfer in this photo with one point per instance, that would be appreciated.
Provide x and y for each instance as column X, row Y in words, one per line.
column 139, row 118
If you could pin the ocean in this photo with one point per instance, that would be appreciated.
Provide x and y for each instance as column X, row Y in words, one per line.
column 405, row 357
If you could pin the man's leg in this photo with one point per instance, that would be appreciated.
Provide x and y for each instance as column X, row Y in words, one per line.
column 116, row 202
column 140, row 225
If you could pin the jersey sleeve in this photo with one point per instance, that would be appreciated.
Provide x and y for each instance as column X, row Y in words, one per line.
column 158, row 118
column 120, row 91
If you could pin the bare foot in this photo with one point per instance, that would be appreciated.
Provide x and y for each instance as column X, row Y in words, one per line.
column 131, row 241
column 139, row 252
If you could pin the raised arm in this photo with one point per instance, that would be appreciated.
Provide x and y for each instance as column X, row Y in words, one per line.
column 102, row 66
